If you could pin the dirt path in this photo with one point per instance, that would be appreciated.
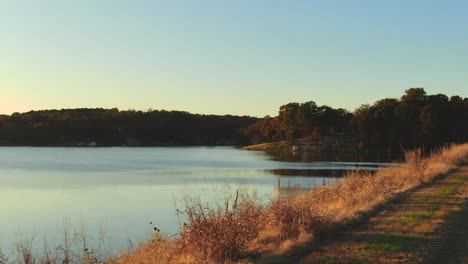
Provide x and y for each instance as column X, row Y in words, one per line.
column 452, row 241
column 426, row 225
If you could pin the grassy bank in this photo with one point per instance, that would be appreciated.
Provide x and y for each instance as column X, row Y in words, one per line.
column 244, row 230
column 272, row 147
column 424, row 225
column 309, row 145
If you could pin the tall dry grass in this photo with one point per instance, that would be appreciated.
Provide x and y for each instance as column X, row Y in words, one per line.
column 322, row 209
column 226, row 234
column 220, row 233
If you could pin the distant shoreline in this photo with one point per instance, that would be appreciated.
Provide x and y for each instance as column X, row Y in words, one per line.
column 307, row 145
column 115, row 146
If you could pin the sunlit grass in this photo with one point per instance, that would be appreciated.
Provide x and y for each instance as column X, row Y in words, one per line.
column 414, row 217
column 389, row 243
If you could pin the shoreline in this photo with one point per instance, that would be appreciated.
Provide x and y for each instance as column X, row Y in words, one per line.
column 299, row 146
column 251, row 233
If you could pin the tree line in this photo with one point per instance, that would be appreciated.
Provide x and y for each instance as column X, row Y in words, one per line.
column 299, row 120
column 415, row 119
column 111, row 127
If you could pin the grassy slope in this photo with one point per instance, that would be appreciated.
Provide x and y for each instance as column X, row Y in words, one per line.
column 423, row 225
column 271, row 147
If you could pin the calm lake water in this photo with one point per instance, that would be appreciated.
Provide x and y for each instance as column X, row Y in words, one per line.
column 113, row 194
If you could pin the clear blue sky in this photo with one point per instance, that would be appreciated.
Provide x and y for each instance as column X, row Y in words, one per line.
column 238, row 57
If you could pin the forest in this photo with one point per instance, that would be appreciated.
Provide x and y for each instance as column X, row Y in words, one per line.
column 415, row 119
column 111, row 127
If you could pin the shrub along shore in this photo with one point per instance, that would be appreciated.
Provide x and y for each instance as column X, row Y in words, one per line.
column 243, row 227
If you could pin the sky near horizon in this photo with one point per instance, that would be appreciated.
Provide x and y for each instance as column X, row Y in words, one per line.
column 219, row 57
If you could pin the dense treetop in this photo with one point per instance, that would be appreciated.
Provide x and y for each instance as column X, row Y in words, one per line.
column 111, row 127
column 414, row 119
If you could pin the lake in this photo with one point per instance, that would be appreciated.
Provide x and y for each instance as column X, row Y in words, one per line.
column 118, row 195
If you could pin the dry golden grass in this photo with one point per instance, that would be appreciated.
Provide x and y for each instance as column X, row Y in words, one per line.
column 274, row 147
column 158, row 250
column 229, row 233
column 209, row 235
column 220, row 234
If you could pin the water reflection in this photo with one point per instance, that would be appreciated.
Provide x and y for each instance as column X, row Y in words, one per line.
column 307, row 172
column 377, row 157
column 121, row 190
